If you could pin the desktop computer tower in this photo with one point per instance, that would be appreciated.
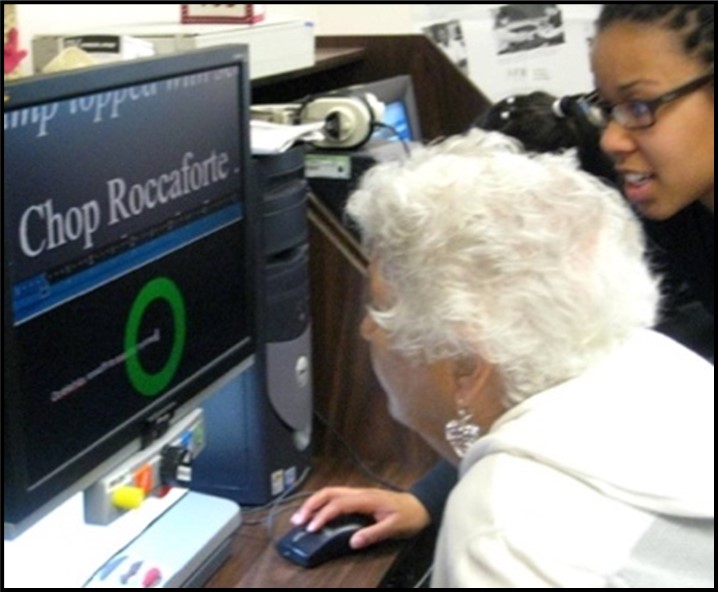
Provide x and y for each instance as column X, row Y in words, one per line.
column 334, row 174
column 259, row 423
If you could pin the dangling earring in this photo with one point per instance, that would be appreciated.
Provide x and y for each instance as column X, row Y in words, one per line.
column 462, row 432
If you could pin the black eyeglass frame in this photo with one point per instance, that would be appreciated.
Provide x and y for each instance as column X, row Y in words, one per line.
column 600, row 112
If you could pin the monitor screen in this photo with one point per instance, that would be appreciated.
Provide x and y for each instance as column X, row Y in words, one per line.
column 397, row 121
column 130, row 264
column 400, row 110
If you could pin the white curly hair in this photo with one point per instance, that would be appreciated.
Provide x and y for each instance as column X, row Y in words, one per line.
column 524, row 259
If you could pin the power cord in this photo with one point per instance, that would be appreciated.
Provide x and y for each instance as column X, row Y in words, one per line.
column 355, row 456
column 277, row 511
column 424, row 581
column 271, row 507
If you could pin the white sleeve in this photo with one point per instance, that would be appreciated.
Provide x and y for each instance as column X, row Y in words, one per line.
column 514, row 523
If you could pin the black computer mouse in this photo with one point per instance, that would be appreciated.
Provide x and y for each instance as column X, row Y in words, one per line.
column 329, row 542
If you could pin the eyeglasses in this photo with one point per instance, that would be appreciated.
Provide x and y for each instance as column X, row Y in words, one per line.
column 636, row 114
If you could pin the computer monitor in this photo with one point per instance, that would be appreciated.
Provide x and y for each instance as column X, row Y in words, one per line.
column 400, row 111
column 131, row 262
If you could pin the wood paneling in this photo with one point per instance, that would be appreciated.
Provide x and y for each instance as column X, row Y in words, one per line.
column 346, row 392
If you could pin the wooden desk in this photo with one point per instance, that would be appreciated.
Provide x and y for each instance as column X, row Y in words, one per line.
column 254, row 563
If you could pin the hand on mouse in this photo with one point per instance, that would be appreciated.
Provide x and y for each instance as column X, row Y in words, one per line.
column 397, row 515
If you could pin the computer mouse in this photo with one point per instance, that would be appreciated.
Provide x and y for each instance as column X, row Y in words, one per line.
column 309, row 549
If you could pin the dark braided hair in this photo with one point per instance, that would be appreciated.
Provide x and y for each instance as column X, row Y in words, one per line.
column 693, row 21
column 544, row 123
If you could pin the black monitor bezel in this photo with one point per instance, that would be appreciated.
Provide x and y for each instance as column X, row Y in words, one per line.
column 23, row 506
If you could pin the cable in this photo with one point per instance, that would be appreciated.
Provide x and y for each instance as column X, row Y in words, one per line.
column 285, row 498
column 355, row 457
column 274, row 508
column 395, row 134
column 275, row 503
column 425, row 578
column 276, row 511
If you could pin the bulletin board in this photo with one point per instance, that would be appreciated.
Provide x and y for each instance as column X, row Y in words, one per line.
column 515, row 48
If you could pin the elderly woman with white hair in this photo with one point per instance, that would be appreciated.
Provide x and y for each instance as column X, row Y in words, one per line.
column 509, row 315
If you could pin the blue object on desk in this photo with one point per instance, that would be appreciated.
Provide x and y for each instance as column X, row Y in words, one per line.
column 309, row 549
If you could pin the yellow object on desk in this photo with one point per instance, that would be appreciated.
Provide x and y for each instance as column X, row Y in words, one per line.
column 128, row 497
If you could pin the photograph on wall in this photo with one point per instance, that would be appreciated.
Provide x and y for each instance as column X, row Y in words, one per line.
column 449, row 36
column 518, row 48
column 525, row 27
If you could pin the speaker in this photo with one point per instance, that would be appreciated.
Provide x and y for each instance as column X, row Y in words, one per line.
column 349, row 118
column 259, row 424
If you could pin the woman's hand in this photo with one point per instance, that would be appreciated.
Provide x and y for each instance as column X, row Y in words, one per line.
column 397, row 515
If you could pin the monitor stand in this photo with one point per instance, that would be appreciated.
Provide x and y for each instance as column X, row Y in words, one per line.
column 176, row 541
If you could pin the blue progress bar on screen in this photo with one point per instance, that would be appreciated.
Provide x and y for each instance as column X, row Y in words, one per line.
column 37, row 294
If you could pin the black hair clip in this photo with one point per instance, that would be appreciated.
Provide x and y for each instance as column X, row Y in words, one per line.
column 560, row 107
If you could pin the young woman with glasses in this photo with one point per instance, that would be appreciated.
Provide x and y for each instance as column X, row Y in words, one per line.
column 653, row 67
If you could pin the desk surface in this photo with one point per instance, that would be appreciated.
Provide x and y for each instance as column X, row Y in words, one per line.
column 254, row 563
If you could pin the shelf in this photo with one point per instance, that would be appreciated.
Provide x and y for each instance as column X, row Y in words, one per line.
column 325, row 59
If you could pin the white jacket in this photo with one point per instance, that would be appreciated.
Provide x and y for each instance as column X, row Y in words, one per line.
column 604, row 481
